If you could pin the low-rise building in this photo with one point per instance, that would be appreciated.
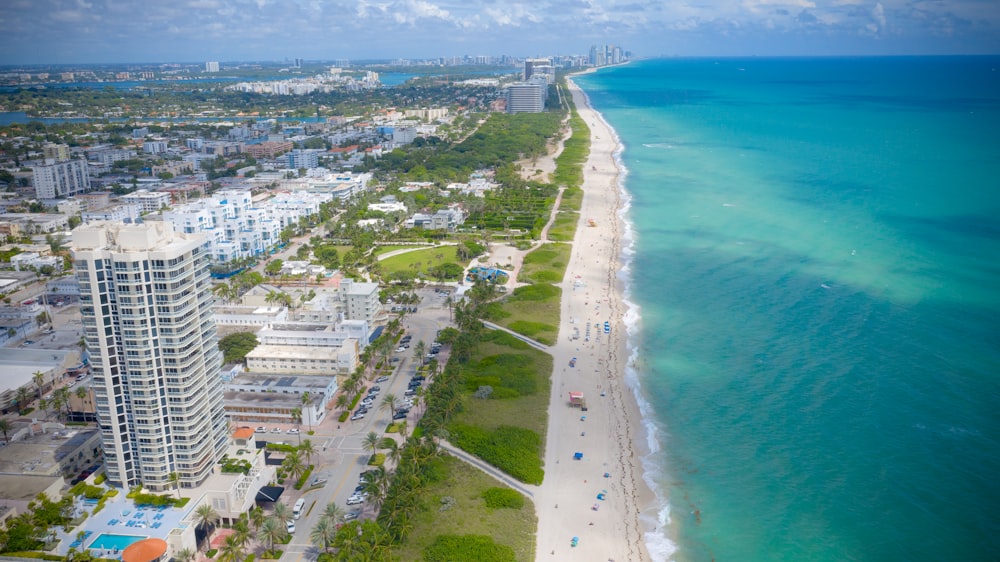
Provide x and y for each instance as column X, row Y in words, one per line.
column 273, row 398
column 295, row 359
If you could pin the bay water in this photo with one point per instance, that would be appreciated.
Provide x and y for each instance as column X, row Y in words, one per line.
column 815, row 271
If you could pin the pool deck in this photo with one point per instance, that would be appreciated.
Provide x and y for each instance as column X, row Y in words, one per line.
column 120, row 516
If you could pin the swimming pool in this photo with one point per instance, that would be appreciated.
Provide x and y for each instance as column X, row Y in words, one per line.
column 107, row 541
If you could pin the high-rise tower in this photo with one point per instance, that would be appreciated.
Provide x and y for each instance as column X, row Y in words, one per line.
column 146, row 303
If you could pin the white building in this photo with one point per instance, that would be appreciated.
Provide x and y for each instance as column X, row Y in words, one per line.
column 148, row 201
column 212, row 66
column 115, row 213
column 526, row 97
column 304, row 360
column 146, row 304
column 154, row 147
column 61, row 179
column 360, row 300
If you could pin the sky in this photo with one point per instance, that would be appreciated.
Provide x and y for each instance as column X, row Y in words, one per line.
column 109, row 31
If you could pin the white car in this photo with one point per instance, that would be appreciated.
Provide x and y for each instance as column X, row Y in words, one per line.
column 351, row 516
column 381, row 379
column 355, row 500
column 261, row 429
column 275, row 430
column 293, row 431
column 290, row 526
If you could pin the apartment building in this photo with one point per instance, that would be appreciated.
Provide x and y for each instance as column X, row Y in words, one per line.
column 146, row 304
column 60, row 179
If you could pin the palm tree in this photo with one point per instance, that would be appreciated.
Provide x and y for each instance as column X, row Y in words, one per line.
column 82, row 394
column 371, row 442
column 4, row 428
column 333, row 511
column 297, row 420
column 257, row 517
column 232, row 550
column 271, row 531
column 294, row 466
column 394, row 450
column 342, row 402
column 323, row 533
column 23, row 398
column 390, row 402
column 185, row 555
column 39, row 378
column 175, row 480
column 418, row 350
column 206, row 518
column 282, row 513
column 305, row 402
column 307, row 449
column 241, row 532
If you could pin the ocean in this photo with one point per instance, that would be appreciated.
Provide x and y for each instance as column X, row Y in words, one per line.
column 815, row 274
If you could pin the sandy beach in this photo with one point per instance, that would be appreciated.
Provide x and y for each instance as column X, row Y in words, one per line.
column 609, row 434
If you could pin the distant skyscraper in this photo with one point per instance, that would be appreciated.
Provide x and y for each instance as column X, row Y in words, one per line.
column 212, row 66
column 146, row 303
column 531, row 64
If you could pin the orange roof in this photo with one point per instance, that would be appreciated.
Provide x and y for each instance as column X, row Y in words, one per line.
column 146, row 550
column 243, row 433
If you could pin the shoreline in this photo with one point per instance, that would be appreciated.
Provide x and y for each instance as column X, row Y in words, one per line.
column 610, row 434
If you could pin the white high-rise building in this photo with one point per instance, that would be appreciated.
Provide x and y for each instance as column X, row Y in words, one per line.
column 526, row 97
column 146, row 303
column 212, row 66
column 61, row 179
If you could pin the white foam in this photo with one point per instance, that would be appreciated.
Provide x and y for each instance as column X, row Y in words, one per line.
column 658, row 544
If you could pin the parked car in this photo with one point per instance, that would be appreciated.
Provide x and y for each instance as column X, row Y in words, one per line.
column 355, row 500
column 399, row 416
column 351, row 516
column 290, row 526
column 400, row 349
column 374, row 389
column 275, row 430
column 382, row 379
column 358, row 416
column 261, row 429
column 293, row 431
column 418, row 377
column 409, row 392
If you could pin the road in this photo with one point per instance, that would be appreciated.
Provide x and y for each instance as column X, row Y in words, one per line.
column 341, row 456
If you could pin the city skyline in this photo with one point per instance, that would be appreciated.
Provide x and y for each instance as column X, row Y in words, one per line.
column 103, row 31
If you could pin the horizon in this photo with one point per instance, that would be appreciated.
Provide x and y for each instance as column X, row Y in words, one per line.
column 102, row 32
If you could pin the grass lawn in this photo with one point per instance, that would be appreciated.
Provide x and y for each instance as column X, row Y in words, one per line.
column 564, row 228
column 469, row 515
column 533, row 311
column 379, row 250
column 547, row 264
column 421, row 260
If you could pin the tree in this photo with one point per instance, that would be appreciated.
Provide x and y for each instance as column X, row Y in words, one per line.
column 305, row 404
column 235, row 347
column 371, row 442
column 390, row 402
column 39, row 378
column 4, row 428
column 175, row 480
column 297, row 420
column 323, row 533
column 23, row 398
column 282, row 513
column 185, row 555
column 273, row 267
column 294, row 466
column 206, row 517
column 232, row 550
column 272, row 530
column 333, row 511
column 307, row 449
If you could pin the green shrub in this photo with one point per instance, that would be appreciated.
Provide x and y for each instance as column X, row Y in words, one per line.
column 343, row 416
column 514, row 450
column 378, row 459
column 211, row 552
column 534, row 292
column 498, row 498
column 282, row 447
column 481, row 548
column 100, row 478
column 304, row 478
column 31, row 554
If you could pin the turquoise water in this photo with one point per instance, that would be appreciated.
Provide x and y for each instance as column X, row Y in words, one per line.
column 112, row 542
column 816, row 266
